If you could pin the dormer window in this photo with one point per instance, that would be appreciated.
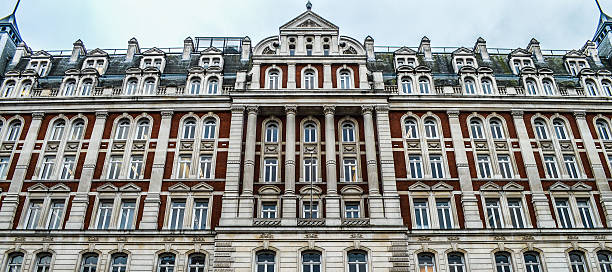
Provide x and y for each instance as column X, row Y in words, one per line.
column 90, row 63
column 152, row 62
column 400, row 62
column 411, row 62
column 518, row 63
column 97, row 63
column 517, row 66
column 158, row 63
column 574, row 66
column 40, row 66
column 205, row 62
column 459, row 64
column 464, row 61
column 216, row 62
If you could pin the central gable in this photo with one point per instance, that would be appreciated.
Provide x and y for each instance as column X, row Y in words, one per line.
column 308, row 21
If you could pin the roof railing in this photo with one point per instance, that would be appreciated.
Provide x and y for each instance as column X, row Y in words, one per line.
column 449, row 50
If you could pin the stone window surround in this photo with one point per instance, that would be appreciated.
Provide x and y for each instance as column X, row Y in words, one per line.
column 606, row 148
column 166, row 252
column 196, row 150
column 153, row 58
column 415, row 76
column 343, row 154
column 351, row 80
column 356, row 199
column 267, row 77
column 405, row 58
column 276, row 154
column 19, row 81
column 304, row 198
column 357, row 247
column 503, row 197
column 47, row 198
column 464, row 58
column 598, row 80
column 577, row 61
column 431, row 197
column 317, row 150
column 211, row 57
column 538, row 78
column 478, row 77
column 39, row 62
column 425, row 151
column 189, row 198
column 510, row 253
column 96, row 59
column 117, row 198
column 79, row 79
column 316, row 76
column 572, row 197
column 522, row 61
column 266, row 197
column 204, row 81
column 6, row 123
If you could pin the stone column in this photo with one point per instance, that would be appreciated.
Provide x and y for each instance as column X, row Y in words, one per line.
column 290, row 198
column 150, row 212
column 255, row 84
column 377, row 212
column 229, row 212
column 11, row 200
column 391, row 199
column 291, row 76
column 81, row 199
column 327, row 76
column 468, row 197
column 598, row 169
column 539, row 199
column 246, row 199
column 332, row 201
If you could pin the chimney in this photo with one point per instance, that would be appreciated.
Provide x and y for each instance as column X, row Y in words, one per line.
column 425, row 48
column 22, row 50
column 132, row 50
column 590, row 49
column 245, row 55
column 481, row 47
column 534, row 48
column 369, row 47
column 78, row 50
column 188, row 48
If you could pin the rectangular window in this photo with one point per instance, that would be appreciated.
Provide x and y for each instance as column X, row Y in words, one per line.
column 551, row 166
column 184, row 166
column 34, row 213
column 494, row 213
column 206, row 167
column 584, row 207
column 350, row 170
column 505, row 166
column 105, row 211
column 516, row 213
column 114, row 167
column 484, row 166
column 421, row 213
column 177, row 214
column 200, row 214
column 68, row 167
column 416, row 166
column 437, row 170
column 128, row 208
column 136, row 163
column 571, row 166
column 310, row 170
column 563, row 213
column 268, row 210
column 4, row 166
column 270, row 169
column 47, row 167
column 445, row 215
column 54, row 219
column 311, row 210
column 351, row 210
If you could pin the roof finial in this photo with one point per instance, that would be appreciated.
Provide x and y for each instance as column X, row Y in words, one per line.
column 16, row 5
column 309, row 5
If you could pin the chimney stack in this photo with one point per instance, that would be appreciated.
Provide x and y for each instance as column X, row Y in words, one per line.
column 188, row 48
column 425, row 48
column 132, row 50
column 78, row 50
column 22, row 50
column 369, row 47
column 534, row 48
column 590, row 49
column 481, row 47
column 246, row 49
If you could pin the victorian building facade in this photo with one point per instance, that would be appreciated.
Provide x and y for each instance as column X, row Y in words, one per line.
column 308, row 151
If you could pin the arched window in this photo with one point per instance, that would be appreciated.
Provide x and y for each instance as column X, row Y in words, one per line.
column 311, row 261
column 273, row 79
column 70, row 88
column 487, row 86
column 603, row 129
column 591, row 88
column 118, row 262
column 549, row 88
column 197, row 263
column 43, row 262
column 149, row 86
column 13, row 132
column 424, row 85
column 265, row 261
column 142, row 129
column 310, row 79
column 89, row 263
column 130, row 87
column 532, row 261
column 406, row 85
column 532, row 88
column 503, row 263
column 209, row 129
column 456, row 262
column 470, row 86
column 540, row 128
column 8, row 89
column 122, row 129
column 497, row 130
column 577, row 261
column 427, row 262
column 213, row 86
column 166, row 262
column 26, row 86
column 86, row 87
column 348, row 132
column 560, row 130
column 196, row 84
column 15, row 261
column 272, row 132
column 345, row 79
column 78, row 127
column 431, row 128
column 477, row 129
column 605, row 260
column 57, row 132
column 310, row 132
column 357, row 261
column 412, row 131
column 189, row 127
column 607, row 88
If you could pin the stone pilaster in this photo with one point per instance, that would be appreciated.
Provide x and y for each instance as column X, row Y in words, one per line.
column 81, row 200
column 468, row 198
column 11, row 200
column 377, row 212
column 229, row 211
column 290, row 198
column 332, row 201
column 363, row 77
column 327, row 76
column 246, row 198
column 291, row 84
column 255, row 84
column 539, row 200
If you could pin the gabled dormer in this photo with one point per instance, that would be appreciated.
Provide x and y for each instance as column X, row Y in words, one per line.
column 40, row 62
column 518, row 59
column 405, row 57
column 153, row 57
column 464, row 57
column 96, row 59
column 212, row 59
column 575, row 61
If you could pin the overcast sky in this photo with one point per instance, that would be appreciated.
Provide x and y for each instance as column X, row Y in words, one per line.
column 557, row 24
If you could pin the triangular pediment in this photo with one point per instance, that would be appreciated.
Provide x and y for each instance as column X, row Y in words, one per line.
column 41, row 54
column 211, row 50
column 202, row 187
column 107, row 187
column 574, row 54
column 154, row 52
column 559, row 186
column 308, row 20
column 520, row 52
column 405, row 51
column 490, row 186
column 513, row 186
column 60, row 187
column 179, row 187
column 130, row 187
column 463, row 51
column 581, row 187
column 38, row 187
column 419, row 186
column 97, row 53
column 442, row 186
